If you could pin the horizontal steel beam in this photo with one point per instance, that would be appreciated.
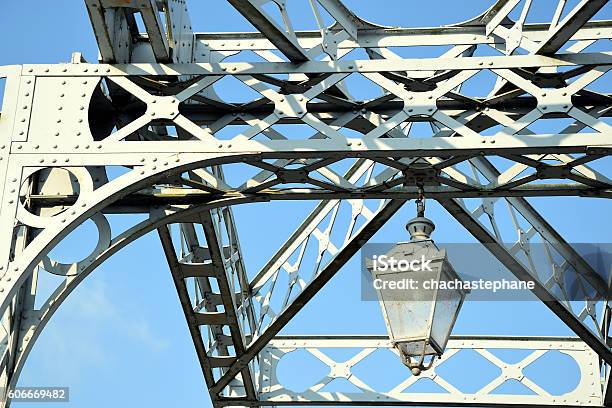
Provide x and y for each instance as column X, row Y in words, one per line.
column 397, row 391
column 182, row 196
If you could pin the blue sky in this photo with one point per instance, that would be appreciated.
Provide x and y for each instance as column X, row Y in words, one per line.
column 121, row 337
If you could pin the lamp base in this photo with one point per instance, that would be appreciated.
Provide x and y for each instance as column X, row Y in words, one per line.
column 416, row 365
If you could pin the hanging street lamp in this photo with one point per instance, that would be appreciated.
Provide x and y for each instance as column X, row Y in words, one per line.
column 411, row 281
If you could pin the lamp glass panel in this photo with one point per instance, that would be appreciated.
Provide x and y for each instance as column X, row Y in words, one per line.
column 408, row 311
column 414, row 348
column 446, row 306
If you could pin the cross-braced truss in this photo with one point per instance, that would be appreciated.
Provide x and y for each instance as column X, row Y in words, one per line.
column 167, row 127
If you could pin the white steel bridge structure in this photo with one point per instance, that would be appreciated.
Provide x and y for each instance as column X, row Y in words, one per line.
column 149, row 108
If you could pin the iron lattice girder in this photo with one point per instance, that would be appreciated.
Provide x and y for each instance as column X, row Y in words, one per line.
column 518, row 146
column 214, row 47
column 457, row 210
column 115, row 28
column 217, row 309
column 274, row 391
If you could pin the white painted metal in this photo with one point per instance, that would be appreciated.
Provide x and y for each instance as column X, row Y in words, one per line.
column 155, row 107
